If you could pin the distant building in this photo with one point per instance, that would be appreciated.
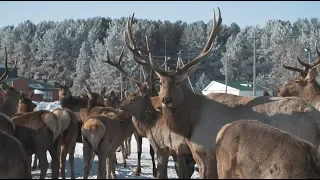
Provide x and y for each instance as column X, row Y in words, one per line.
column 240, row 88
column 44, row 91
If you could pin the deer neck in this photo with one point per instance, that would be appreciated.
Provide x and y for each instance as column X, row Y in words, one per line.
column 312, row 95
column 182, row 118
column 9, row 107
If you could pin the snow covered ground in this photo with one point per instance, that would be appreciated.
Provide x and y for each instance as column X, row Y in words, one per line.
column 122, row 173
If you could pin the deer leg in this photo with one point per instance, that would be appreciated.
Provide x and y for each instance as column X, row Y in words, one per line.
column 129, row 146
column 87, row 157
column 162, row 167
column 43, row 162
column 63, row 156
column 123, row 156
column 211, row 166
column 55, row 154
column 139, row 149
column 102, row 165
column 35, row 162
column 113, row 169
column 71, row 161
column 154, row 169
column 190, row 162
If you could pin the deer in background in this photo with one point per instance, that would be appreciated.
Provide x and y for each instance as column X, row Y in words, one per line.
column 13, row 158
column 280, row 154
column 305, row 85
column 198, row 118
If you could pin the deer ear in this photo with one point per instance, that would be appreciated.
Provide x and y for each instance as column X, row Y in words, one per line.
column 103, row 91
column 112, row 94
column 21, row 96
column 144, row 89
column 313, row 73
column 57, row 85
column 126, row 94
column 184, row 75
column 31, row 95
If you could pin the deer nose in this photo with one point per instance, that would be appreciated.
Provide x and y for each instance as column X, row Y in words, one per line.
column 166, row 100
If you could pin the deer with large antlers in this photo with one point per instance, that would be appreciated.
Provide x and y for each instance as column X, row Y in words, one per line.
column 249, row 149
column 305, row 85
column 145, row 119
column 198, row 118
column 14, row 160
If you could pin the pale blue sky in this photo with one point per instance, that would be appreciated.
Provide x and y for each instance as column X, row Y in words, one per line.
column 243, row 13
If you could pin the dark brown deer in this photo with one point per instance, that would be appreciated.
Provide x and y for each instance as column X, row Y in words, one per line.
column 138, row 136
column 305, row 85
column 198, row 118
column 249, row 149
column 14, row 162
column 73, row 103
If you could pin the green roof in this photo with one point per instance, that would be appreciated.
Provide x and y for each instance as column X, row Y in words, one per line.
column 243, row 86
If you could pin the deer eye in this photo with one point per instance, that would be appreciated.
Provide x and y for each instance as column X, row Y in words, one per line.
column 177, row 83
column 132, row 100
column 160, row 83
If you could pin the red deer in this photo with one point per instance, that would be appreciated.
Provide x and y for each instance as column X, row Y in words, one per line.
column 304, row 86
column 101, row 136
column 249, row 149
column 38, row 132
column 198, row 118
column 72, row 103
column 14, row 163
column 137, row 135
column 145, row 119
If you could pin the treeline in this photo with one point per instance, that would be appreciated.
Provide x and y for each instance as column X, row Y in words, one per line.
column 73, row 50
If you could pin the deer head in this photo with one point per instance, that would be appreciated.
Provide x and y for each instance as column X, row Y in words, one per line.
column 64, row 90
column 171, row 93
column 95, row 99
column 25, row 103
column 304, row 85
column 137, row 102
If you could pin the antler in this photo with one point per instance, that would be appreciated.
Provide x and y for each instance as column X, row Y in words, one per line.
column 4, row 77
column 118, row 66
column 195, row 62
column 304, row 71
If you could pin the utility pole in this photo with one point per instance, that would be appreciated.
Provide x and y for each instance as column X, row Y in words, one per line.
column 180, row 64
column 254, row 63
column 165, row 53
column 226, row 73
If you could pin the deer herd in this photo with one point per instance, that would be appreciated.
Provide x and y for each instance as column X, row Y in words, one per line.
column 227, row 136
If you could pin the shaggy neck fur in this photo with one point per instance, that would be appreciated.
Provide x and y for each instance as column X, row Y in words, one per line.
column 9, row 107
column 147, row 118
column 182, row 119
column 73, row 103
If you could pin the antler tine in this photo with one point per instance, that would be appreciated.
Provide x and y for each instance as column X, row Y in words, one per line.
column 118, row 66
column 4, row 77
column 129, row 41
column 307, row 66
column 209, row 45
column 153, row 64
column 294, row 68
column 316, row 62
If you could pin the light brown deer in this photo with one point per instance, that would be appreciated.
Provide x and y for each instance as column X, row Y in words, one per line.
column 249, row 149
column 73, row 103
column 145, row 119
column 96, row 107
column 138, row 136
column 38, row 132
column 305, row 85
column 101, row 136
column 14, row 162
column 199, row 118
